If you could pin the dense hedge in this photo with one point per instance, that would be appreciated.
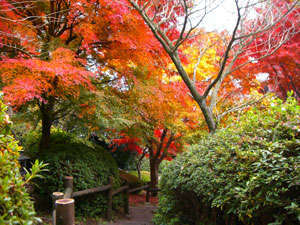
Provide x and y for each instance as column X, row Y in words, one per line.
column 15, row 204
column 246, row 174
column 90, row 166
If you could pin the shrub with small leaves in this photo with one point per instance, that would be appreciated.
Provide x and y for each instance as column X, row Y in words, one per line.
column 16, row 206
column 247, row 173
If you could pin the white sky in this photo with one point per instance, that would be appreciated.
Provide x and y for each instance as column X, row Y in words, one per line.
column 221, row 18
column 222, row 14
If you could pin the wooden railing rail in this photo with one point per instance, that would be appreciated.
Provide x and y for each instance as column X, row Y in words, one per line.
column 91, row 191
column 120, row 189
column 64, row 212
column 145, row 187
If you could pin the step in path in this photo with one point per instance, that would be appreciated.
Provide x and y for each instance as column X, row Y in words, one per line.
column 139, row 215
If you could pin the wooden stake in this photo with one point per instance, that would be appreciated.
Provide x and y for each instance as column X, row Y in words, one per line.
column 68, row 185
column 55, row 196
column 126, row 201
column 148, row 194
column 65, row 213
column 110, row 196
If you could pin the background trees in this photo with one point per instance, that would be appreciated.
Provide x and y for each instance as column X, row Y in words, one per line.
column 113, row 41
column 282, row 67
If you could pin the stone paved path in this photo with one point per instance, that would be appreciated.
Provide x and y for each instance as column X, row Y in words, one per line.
column 139, row 215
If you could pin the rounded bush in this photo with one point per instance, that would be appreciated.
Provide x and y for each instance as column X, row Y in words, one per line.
column 15, row 204
column 130, row 179
column 246, row 174
column 91, row 166
column 145, row 176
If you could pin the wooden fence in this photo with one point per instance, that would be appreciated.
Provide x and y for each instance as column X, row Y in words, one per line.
column 63, row 203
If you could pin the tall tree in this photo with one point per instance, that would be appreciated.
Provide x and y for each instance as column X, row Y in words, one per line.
column 162, row 18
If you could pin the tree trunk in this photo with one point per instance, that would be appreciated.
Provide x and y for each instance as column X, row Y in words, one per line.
column 208, row 115
column 45, row 139
column 154, row 165
column 201, row 100
column 46, row 111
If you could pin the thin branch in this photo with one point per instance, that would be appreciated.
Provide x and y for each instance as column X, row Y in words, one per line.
column 226, row 55
column 241, row 107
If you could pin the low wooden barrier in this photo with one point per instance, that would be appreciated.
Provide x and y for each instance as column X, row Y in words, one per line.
column 63, row 211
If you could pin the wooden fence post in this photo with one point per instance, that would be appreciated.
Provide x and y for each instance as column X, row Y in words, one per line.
column 65, row 213
column 110, row 196
column 68, row 185
column 55, row 196
column 148, row 194
column 126, row 201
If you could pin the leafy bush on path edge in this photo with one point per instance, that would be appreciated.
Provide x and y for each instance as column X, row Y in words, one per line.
column 246, row 174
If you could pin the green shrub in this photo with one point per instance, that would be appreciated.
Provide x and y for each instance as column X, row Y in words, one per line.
column 91, row 166
column 15, row 204
column 132, row 180
column 246, row 174
column 145, row 176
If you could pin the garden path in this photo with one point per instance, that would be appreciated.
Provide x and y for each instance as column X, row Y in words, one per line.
column 138, row 215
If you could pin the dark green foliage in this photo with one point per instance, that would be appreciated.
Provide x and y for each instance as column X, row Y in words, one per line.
column 90, row 166
column 246, row 174
column 15, row 204
column 124, row 158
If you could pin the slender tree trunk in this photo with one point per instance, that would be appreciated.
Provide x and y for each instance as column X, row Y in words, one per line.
column 46, row 114
column 138, row 164
column 154, row 165
column 138, row 169
column 45, row 139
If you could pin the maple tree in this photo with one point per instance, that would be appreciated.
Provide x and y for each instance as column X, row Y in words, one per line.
column 46, row 69
column 162, row 18
column 54, row 43
column 159, row 118
column 45, row 85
